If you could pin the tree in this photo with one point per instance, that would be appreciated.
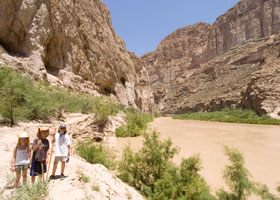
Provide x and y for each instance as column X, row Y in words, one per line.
column 12, row 93
column 238, row 179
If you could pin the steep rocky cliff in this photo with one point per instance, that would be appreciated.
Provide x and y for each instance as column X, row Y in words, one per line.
column 72, row 43
column 208, row 67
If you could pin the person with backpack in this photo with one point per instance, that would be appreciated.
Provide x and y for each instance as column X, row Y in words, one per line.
column 21, row 158
column 62, row 150
column 40, row 149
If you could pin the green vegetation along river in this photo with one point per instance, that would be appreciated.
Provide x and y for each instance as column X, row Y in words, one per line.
column 259, row 144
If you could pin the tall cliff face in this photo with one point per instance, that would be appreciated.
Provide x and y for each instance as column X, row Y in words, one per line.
column 248, row 19
column 72, row 43
column 208, row 67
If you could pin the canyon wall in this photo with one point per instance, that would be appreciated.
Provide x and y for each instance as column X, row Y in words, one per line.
column 72, row 44
column 204, row 67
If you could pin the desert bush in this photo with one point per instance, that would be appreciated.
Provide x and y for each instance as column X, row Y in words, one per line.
column 37, row 191
column 136, row 123
column 95, row 187
column 12, row 94
column 95, row 154
column 152, row 172
column 182, row 182
column 142, row 169
column 237, row 178
column 84, row 178
column 25, row 100
column 103, row 108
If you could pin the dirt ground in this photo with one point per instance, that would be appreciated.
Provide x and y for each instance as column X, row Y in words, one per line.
column 260, row 145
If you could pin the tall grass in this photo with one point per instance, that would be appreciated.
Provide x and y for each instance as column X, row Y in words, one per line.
column 136, row 123
column 230, row 115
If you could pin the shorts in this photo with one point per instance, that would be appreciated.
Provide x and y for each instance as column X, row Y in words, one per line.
column 60, row 158
column 21, row 167
column 36, row 168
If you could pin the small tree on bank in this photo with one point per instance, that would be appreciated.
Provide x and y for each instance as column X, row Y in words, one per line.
column 238, row 179
column 12, row 93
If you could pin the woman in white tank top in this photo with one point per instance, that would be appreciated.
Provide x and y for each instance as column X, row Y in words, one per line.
column 21, row 158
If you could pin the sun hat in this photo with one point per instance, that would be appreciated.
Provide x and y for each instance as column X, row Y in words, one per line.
column 43, row 129
column 23, row 135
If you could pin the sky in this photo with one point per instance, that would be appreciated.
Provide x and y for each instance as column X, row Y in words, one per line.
column 142, row 24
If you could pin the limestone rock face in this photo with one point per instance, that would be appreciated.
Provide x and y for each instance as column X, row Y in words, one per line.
column 72, row 43
column 206, row 67
column 87, row 127
column 178, row 52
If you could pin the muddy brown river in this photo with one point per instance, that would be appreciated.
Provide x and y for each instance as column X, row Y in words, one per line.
column 259, row 144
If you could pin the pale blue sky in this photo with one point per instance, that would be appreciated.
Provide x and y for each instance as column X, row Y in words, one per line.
column 142, row 24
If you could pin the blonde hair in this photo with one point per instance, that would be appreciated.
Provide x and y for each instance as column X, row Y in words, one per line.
column 27, row 142
column 25, row 136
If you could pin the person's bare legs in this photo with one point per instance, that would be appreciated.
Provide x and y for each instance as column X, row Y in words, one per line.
column 41, row 177
column 24, row 176
column 18, row 174
column 62, row 167
column 33, row 179
column 54, row 168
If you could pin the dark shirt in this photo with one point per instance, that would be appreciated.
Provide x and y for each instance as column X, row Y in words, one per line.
column 45, row 147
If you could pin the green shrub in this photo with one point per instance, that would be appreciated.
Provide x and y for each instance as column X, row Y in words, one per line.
column 85, row 178
column 238, row 180
column 12, row 94
column 262, row 191
column 95, row 154
column 142, row 169
column 136, row 123
column 25, row 100
column 230, row 115
column 38, row 191
column 103, row 109
column 236, row 176
column 95, row 188
column 183, row 182
column 152, row 172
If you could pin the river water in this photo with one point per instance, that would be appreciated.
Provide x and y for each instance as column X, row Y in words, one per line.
column 259, row 144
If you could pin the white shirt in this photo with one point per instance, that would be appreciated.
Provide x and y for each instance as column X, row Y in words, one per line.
column 61, row 143
column 22, row 157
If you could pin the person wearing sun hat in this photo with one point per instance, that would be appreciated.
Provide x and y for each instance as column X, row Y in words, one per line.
column 21, row 158
column 62, row 149
column 40, row 149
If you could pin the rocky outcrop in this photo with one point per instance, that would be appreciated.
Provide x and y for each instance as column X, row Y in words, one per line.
column 72, row 43
column 88, row 127
column 206, row 67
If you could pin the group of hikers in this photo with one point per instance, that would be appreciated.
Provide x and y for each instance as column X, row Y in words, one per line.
column 37, row 156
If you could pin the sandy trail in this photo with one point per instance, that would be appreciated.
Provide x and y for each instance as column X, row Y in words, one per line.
column 260, row 145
